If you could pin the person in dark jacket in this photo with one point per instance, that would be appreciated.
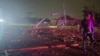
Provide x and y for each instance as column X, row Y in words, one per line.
column 87, row 29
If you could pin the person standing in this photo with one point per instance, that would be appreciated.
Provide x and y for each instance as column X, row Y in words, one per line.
column 87, row 29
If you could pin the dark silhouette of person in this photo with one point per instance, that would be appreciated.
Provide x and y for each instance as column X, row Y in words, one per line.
column 87, row 29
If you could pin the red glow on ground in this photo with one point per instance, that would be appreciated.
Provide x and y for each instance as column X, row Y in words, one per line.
column 39, row 47
column 75, row 45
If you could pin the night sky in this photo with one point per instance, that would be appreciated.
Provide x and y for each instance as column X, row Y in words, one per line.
column 10, row 9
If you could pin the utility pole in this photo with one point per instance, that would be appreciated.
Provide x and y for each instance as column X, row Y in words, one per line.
column 64, row 14
column 6, row 53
